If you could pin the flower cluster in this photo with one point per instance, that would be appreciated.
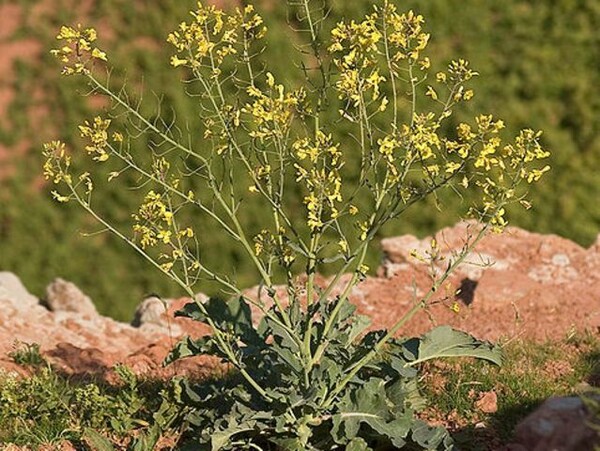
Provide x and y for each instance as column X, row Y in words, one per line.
column 355, row 47
column 57, row 167
column 488, row 130
column 421, row 136
column 96, row 133
column 454, row 79
column 527, row 149
column 318, row 164
column 213, row 36
column 271, row 112
column 78, row 50
column 153, row 221
column 268, row 245
column 498, row 168
column 405, row 35
column 57, row 162
column 358, row 48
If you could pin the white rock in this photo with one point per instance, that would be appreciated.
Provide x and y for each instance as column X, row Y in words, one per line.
column 398, row 249
column 64, row 296
column 151, row 311
column 13, row 290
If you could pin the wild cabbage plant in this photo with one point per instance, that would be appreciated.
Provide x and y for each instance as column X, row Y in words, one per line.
column 308, row 375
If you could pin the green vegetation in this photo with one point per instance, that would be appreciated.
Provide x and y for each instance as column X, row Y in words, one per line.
column 55, row 409
column 538, row 66
column 530, row 374
column 46, row 408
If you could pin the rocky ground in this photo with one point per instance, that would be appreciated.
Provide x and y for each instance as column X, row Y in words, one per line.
column 518, row 284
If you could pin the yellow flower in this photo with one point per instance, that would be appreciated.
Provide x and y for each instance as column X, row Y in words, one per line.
column 431, row 93
column 176, row 61
column 384, row 104
column 166, row 267
column 465, row 133
column 452, row 167
column 59, row 197
column 97, row 134
column 164, row 235
column 364, row 228
column 98, row 54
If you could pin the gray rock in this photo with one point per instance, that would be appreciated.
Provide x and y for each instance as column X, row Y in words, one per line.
column 13, row 290
column 64, row 296
column 151, row 318
column 559, row 424
column 398, row 249
column 151, row 311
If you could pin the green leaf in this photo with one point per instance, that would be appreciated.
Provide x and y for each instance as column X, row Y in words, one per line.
column 444, row 341
column 292, row 359
column 234, row 315
column 282, row 336
column 192, row 310
column 404, row 394
column 97, row 441
column 188, row 347
column 359, row 325
column 430, row 437
column 401, row 366
column 288, row 443
column 220, row 439
column 369, row 404
column 358, row 444
column 146, row 441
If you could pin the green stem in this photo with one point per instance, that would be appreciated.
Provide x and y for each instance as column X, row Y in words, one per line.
column 218, row 334
column 391, row 71
column 146, row 122
column 423, row 303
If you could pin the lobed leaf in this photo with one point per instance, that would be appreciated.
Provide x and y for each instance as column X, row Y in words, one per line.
column 443, row 342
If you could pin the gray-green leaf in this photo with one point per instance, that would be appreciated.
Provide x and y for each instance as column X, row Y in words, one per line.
column 444, row 341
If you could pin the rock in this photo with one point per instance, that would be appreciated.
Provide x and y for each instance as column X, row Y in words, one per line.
column 398, row 250
column 151, row 311
column 560, row 424
column 487, row 402
column 64, row 296
column 13, row 290
column 153, row 316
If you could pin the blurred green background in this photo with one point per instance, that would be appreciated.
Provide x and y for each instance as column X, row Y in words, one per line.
column 539, row 64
